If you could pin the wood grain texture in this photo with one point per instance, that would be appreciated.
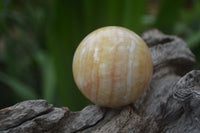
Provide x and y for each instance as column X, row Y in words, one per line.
column 170, row 104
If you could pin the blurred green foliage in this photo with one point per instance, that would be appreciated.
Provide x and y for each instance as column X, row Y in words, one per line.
column 38, row 39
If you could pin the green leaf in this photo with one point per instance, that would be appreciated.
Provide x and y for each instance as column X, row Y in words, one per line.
column 114, row 10
column 193, row 40
column 133, row 12
column 47, row 74
column 18, row 87
column 63, row 34
column 1, row 5
column 167, row 15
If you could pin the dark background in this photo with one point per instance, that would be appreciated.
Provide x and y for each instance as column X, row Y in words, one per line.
column 38, row 39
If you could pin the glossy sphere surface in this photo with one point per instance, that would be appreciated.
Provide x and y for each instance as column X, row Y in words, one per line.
column 112, row 66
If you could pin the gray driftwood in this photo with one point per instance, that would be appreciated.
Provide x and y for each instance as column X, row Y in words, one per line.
column 171, row 103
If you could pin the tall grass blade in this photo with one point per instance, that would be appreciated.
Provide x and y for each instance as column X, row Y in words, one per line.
column 63, row 35
column 167, row 15
column 22, row 90
column 133, row 12
column 48, row 76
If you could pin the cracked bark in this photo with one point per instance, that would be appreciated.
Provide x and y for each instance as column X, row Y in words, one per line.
column 170, row 104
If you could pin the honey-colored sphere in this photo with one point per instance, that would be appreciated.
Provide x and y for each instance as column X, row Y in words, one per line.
column 112, row 66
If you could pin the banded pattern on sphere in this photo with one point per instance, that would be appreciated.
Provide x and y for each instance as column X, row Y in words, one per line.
column 112, row 66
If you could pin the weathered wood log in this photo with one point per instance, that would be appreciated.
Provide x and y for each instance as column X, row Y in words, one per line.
column 170, row 104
